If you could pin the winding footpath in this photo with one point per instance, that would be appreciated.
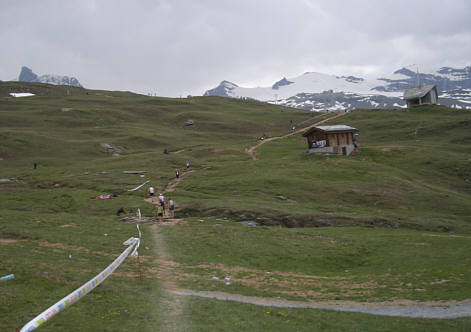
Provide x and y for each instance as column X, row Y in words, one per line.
column 418, row 310
column 251, row 151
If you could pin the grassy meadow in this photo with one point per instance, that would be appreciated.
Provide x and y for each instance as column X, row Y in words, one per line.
column 400, row 211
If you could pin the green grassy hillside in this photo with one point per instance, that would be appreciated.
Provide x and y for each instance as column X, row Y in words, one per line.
column 408, row 189
column 413, row 171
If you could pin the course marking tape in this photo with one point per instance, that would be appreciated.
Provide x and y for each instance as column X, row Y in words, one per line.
column 139, row 186
column 139, row 231
column 8, row 277
column 80, row 292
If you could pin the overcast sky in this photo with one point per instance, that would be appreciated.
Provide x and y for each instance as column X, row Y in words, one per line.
column 180, row 47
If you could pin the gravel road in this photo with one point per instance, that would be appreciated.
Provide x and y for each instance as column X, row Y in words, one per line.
column 445, row 311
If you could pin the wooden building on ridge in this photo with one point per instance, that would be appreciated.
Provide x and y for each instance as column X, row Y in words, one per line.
column 425, row 95
column 337, row 139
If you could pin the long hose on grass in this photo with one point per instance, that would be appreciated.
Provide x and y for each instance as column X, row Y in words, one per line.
column 132, row 243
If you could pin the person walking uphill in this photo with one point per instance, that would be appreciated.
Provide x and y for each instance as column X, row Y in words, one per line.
column 177, row 173
column 162, row 202
column 151, row 191
column 187, row 164
column 160, row 214
column 171, row 208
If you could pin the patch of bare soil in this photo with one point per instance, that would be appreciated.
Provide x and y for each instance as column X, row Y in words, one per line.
column 59, row 245
column 223, row 150
column 67, row 225
column 63, row 246
column 284, row 283
column 451, row 235
column 8, row 241
column 387, row 148
column 153, row 222
column 136, row 220
column 171, row 222
column 234, row 269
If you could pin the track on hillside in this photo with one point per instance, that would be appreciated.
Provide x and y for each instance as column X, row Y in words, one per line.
column 251, row 151
column 417, row 310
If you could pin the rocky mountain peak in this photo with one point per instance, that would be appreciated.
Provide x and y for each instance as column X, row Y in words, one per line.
column 281, row 82
column 223, row 89
column 27, row 75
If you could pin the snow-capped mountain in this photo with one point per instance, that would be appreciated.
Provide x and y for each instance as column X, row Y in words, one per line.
column 322, row 92
column 27, row 75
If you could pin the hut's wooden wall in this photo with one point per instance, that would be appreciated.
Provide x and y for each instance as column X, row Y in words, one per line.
column 333, row 139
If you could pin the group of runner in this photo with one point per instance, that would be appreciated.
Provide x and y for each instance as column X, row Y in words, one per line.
column 165, row 209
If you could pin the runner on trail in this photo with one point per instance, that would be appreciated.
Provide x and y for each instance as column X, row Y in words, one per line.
column 160, row 213
column 151, row 191
column 187, row 164
column 162, row 202
column 171, row 208
column 177, row 173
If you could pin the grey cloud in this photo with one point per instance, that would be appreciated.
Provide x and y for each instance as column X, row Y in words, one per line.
column 179, row 47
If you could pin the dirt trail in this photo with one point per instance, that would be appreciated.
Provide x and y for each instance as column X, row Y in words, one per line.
column 251, row 151
column 172, row 308
column 437, row 311
column 169, row 187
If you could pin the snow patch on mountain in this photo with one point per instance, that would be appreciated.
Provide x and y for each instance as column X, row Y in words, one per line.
column 224, row 89
column 323, row 92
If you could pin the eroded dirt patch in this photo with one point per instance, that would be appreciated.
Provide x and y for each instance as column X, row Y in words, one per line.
column 8, row 241
column 67, row 225
column 387, row 148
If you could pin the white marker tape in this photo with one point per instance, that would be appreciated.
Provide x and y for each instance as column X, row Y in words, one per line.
column 135, row 253
column 139, row 186
column 80, row 292
column 8, row 277
column 139, row 231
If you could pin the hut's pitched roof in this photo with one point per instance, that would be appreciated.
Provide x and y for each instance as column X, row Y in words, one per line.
column 330, row 129
column 413, row 93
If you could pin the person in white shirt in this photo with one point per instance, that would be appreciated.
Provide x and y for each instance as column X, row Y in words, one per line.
column 162, row 202
column 151, row 191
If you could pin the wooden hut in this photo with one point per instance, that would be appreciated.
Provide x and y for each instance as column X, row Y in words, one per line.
column 425, row 95
column 337, row 139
